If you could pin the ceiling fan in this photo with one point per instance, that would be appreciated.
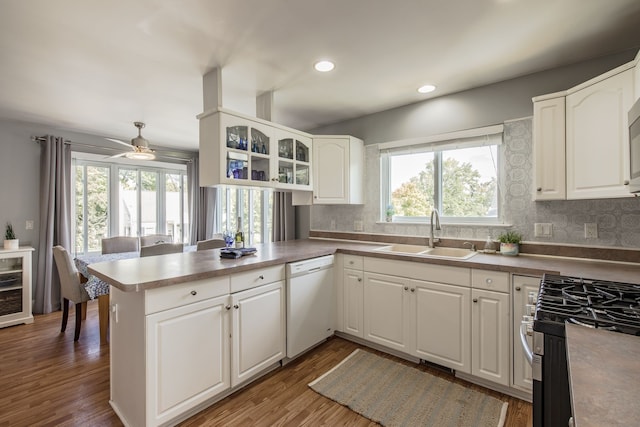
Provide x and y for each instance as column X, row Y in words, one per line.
column 139, row 146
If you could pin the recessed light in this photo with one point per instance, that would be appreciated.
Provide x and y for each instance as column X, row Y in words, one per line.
column 426, row 88
column 324, row 66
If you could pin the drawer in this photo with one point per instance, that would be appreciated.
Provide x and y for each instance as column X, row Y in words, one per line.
column 490, row 280
column 353, row 261
column 436, row 273
column 185, row 293
column 259, row 276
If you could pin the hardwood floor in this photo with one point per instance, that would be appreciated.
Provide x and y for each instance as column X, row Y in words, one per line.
column 48, row 380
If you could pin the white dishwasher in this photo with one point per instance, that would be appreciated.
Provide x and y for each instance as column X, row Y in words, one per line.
column 310, row 303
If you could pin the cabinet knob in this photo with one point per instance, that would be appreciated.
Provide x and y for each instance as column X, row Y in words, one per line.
column 517, row 288
column 475, row 300
column 351, row 262
column 236, row 306
column 539, row 189
column 406, row 288
column 489, row 281
column 359, row 279
column 261, row 277
column 194, row 293
column 413, row 289
column 315, row 197
column 626, row 182
column 228, row 307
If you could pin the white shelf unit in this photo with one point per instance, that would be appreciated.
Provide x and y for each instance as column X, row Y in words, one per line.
column 15, row 286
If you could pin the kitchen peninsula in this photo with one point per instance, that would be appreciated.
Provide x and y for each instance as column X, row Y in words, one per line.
column 172, row 317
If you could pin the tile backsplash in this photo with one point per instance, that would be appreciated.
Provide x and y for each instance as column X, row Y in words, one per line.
column 618, row 220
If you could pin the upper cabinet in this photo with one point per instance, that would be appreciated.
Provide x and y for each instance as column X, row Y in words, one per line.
column 338, row 169
column 549, row 149
column 598, row 138
column 240, row 150
column 581, row 139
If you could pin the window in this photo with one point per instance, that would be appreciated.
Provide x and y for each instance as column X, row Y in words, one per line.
column 459, row 178
column 127, row 200
column 255, row 207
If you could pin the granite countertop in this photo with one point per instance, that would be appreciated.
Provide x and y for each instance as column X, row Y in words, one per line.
column 604, row 377
column 151, row 272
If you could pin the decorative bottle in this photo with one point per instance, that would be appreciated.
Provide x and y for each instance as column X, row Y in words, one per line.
column 239, row 235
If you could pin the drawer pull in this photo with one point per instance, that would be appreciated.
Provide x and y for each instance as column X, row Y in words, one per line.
column 228, row 307
column 489, row 281
column 406, row 288
column 236, row 306
column 261, row 277
column 475, row 300
column 517, row 288
column 194, row 293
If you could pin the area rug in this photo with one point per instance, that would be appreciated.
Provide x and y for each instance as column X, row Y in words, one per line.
column 394, row 394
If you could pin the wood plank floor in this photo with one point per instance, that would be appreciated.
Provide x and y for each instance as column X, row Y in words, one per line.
column 48, row 380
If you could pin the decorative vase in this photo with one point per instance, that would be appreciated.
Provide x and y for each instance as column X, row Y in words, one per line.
column 389, row 218
column 11, row 244
column 509, row 248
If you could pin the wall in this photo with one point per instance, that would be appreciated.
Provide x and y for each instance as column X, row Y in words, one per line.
column 618, row 219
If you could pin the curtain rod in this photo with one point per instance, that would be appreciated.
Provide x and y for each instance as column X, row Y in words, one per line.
column 39, row 139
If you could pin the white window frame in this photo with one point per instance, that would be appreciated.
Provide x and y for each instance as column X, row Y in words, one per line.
column 486, row 136
column 161, row 168
column 224, row 193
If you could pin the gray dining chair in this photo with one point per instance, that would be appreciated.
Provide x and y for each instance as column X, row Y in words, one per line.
column 154, row 239
column 112, row 245
column 71, row 288
column 210, row 244
column 161, row 249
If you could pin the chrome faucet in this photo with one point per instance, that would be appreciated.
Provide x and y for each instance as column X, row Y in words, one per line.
column 433, row 240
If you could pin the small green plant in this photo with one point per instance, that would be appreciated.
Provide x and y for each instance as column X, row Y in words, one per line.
column 390, row 210
column 9, row 234
column 510, row 237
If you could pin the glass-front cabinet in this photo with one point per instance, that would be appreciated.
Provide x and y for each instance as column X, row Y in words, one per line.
column 293, row 161
column 15, row 286
column 240, row 150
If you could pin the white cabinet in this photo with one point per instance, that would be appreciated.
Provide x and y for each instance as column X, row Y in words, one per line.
column 549, row 149
column 598, row 137
column 241, row 150
column 490, row 336
column 581, row 138
column 187, row 357
column 388, row 318
column 442, row 324
column 525, row 292
column 15, row 286
column 338, row 170
column 258, row 330
column 353, row 300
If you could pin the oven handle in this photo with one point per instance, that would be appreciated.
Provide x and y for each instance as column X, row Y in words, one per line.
column 528, row 353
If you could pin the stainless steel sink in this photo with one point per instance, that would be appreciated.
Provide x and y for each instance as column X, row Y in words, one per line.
column 439, row 252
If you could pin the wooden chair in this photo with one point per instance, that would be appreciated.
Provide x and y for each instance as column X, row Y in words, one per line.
column 210, row 244
column 161, row 249
column 154, row 239
column 111, row 245
column 71, row 288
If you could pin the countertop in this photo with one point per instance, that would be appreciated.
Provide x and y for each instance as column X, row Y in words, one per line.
column 604, row 375
column 163, row 270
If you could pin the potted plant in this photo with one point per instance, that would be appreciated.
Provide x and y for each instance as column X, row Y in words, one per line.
column 389, row 213
column 510, row 243
column 10, row 239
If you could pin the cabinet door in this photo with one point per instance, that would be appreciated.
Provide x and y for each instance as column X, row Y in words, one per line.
column 549, row 149
column 490, row 336
column 292, row 161
column 187, row 357
column 331, row 173
column 525, row 292
column 442, row 325
column 598, row 138
column 387, row 311
column 353, row 302
column 258, row 330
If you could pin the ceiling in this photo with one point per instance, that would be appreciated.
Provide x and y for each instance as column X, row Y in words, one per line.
column 96, row 66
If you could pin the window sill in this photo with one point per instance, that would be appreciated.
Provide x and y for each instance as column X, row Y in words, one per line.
column 444, row 224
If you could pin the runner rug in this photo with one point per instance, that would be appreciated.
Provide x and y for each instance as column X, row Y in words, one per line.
column 394, row 394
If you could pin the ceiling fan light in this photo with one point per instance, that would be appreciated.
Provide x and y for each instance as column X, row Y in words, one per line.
column 140, row 155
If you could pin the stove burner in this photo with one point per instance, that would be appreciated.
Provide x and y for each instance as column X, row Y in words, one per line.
column 593, row 303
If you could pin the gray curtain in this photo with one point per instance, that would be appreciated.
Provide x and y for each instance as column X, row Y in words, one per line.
column 202, row 205
column 284, row 225
column 55, row 219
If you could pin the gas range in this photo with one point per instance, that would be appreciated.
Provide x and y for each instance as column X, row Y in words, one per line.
column 589, row 302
